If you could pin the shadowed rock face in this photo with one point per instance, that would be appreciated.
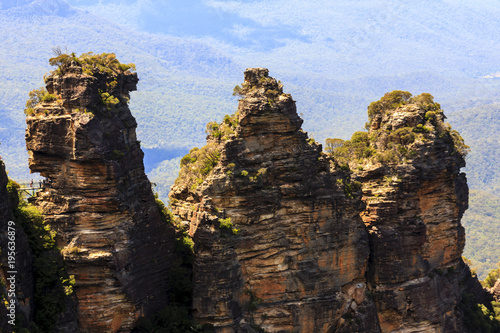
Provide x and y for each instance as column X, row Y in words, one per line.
column 100, row 202
column 296, row 258
column 23, row 263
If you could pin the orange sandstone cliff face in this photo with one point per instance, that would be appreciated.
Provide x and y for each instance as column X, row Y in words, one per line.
column 287, row 238
column 415, row 196
column 100, row 202
column 277, row 243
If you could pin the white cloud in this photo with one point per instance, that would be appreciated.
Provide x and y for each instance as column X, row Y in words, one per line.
column 242, row 31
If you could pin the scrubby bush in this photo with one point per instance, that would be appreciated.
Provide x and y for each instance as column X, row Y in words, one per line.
column 225, row 129
column 421, row 129
column 117, row 155
column 228, row 225
column 165, row 214
column 332, row 144
column 35, row 97
column 403, row 136
column 391, row 100
column 90, row 63
column 238, row 91
column 108, row 100
column 356, row 148
column 198, row 164
column 459, row 144
column 477, row 317
column 360, row 137
column 311, row 141
column 492, row 278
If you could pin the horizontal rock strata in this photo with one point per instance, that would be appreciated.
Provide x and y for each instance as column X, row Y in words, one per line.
column 277, row 243
column 415, row 197
column 99, row 200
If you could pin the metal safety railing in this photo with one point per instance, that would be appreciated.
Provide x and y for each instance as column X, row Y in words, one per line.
column 31, row 188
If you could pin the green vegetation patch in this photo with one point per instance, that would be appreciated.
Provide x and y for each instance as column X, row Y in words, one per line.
column 481, row 227
column 37, row 96
column 477, row 317
column 90, row 63
column 390, row 101
column 52, row 284
column 352, row 151
column 388, row 146
column 108, row 100
column 225, row 129
column 226, row 224
column 199, row 162
column 492, row 278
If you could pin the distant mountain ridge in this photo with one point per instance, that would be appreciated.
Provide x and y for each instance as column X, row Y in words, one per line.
column 37, row 7
column 5, row 4
column 342, row 38
column 185, row 76
column 166, row 63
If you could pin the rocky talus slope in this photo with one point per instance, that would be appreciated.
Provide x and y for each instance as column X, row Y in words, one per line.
column 287, row 238
column 99, row 201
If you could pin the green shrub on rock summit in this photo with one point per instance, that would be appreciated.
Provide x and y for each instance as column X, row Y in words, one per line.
column 399, row 125
column 90, row 63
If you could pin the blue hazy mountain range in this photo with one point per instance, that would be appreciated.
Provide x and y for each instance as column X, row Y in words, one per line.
column 341, row 38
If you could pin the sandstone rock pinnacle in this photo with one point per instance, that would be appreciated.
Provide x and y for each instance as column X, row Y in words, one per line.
column 288, row 238
column 81, row 138
column 277, row 243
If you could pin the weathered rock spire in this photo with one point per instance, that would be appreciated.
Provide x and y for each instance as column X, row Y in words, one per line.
column 277, row 243
column 81, row 137
column 415, row 197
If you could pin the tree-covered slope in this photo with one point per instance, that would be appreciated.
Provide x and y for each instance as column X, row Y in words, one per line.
column 479, row 127
column 344, row 39
column 482, row 231
column 333, row 67
column 179, row 92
